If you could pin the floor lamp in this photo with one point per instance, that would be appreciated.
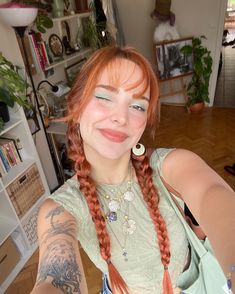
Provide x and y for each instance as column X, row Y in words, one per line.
column 19, row 17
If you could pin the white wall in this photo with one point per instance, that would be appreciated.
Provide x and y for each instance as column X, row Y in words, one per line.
column 193, row 18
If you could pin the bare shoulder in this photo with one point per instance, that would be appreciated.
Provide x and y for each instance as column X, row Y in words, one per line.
column 183, row 168
column 181, row 159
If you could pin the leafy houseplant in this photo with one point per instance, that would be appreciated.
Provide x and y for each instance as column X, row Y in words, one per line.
column 12, row 86
column 93, row 34
column 198, row 87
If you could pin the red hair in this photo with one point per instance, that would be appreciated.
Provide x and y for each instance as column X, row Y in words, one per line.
column 80, row 95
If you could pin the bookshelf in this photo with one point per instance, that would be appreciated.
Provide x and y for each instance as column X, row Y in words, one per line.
column 18, row 217
column 41, row 54
column 77, row 55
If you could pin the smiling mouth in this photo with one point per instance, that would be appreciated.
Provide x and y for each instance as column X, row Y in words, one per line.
column 113, row 136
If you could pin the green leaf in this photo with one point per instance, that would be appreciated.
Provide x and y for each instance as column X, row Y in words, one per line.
column 6, row 97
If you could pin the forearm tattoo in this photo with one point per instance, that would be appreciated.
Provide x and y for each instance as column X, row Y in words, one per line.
column 57, row 227
column 58, row 263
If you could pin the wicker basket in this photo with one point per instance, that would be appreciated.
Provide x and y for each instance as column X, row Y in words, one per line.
column 25, row 190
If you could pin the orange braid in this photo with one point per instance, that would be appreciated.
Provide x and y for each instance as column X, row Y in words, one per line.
column 150, row 193
column 88, row 188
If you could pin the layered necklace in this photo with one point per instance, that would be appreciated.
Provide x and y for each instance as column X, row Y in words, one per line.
column 115, row 204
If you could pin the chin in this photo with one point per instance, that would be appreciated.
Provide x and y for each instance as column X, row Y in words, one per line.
column 110, row 152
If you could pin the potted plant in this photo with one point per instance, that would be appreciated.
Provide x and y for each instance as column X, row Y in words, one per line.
column 198, row 87
column 12, row 89
column 93, row 34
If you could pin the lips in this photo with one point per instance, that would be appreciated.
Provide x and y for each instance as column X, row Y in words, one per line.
column 114, row 136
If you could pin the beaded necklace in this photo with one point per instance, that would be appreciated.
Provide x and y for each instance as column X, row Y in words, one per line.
column 115, row 205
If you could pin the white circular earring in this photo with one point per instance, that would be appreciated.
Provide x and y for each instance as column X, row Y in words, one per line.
column 138, row 149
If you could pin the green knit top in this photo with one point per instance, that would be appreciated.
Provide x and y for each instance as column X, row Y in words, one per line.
column 141, row 268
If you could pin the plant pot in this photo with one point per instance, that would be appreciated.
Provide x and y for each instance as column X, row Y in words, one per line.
column 58, row 8
column 197, row 107
column 4, row 113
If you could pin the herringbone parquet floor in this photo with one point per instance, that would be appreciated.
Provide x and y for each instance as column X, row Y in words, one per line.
column 210, row 134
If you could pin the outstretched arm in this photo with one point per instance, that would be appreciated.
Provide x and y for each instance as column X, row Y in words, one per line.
column 60, row 268
column 209, row 198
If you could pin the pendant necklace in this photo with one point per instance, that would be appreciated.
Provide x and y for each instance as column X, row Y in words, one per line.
column 115, row 205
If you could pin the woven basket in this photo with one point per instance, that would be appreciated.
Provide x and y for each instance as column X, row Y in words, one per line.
column 25, row 190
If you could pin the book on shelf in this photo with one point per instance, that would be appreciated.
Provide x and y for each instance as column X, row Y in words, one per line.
column 37, row 50
column 31, row 59
column 9, row 154
column 4, row 161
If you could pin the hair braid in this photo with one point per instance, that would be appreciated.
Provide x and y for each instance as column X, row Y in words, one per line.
column 88, row 188
column 150, row 194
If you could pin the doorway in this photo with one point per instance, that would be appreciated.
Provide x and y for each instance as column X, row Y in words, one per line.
column 225, row 87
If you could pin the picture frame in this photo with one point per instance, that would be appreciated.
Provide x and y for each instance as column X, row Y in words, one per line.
column 171, row 63
column 72, row 70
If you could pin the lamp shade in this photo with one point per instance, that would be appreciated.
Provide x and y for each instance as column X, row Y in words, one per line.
column 17, row 15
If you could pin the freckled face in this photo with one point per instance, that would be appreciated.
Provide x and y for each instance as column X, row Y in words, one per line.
column 115, row 118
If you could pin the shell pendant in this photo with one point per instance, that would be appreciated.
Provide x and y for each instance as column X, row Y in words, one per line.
column 129, row 226
column 129, row 196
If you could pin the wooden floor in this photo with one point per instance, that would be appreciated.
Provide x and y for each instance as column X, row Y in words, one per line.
column 210, row 134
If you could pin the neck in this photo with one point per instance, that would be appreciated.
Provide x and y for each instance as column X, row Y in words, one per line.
column 108, row 171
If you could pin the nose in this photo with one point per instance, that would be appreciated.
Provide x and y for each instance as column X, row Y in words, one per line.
column 120, row 115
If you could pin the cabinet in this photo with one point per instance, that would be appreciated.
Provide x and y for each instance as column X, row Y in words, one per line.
column 18, row 223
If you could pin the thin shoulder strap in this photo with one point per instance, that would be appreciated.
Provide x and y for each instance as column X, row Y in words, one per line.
column 192, row 237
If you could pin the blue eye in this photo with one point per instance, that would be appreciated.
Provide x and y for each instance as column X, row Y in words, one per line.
column 138, row 107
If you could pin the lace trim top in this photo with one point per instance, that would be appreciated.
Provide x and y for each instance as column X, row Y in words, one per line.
column 143, row 272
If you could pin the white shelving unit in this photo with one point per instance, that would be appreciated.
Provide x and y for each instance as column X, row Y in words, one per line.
column 12, row 224
column 74, row 22
column 77, row 55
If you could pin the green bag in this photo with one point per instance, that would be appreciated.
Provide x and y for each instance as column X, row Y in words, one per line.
column 204, row 274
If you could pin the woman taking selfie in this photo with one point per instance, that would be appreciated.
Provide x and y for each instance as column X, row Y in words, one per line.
column 118, row 204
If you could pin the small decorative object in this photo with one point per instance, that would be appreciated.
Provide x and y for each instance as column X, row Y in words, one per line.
column 56, row 45
column 165, row 32
column 129, row 196
column 162, row 11
column 171, row 61
column 58, row 8
column 198, row 87
column 66, row 7
column 67, row 47
column 129, row 227
column 77, row 47
column 112, row 216
column 81, row 6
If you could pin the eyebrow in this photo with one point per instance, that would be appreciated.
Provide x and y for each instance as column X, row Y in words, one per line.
column 112, row 89
column 107, row 87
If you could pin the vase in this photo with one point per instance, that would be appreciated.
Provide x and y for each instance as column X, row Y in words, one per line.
column 197, row 107
column 4, row 113
column 81, row 6
column 58, row 8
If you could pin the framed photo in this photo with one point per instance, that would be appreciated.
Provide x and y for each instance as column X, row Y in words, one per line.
column 72, row 70
column 171, row 63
